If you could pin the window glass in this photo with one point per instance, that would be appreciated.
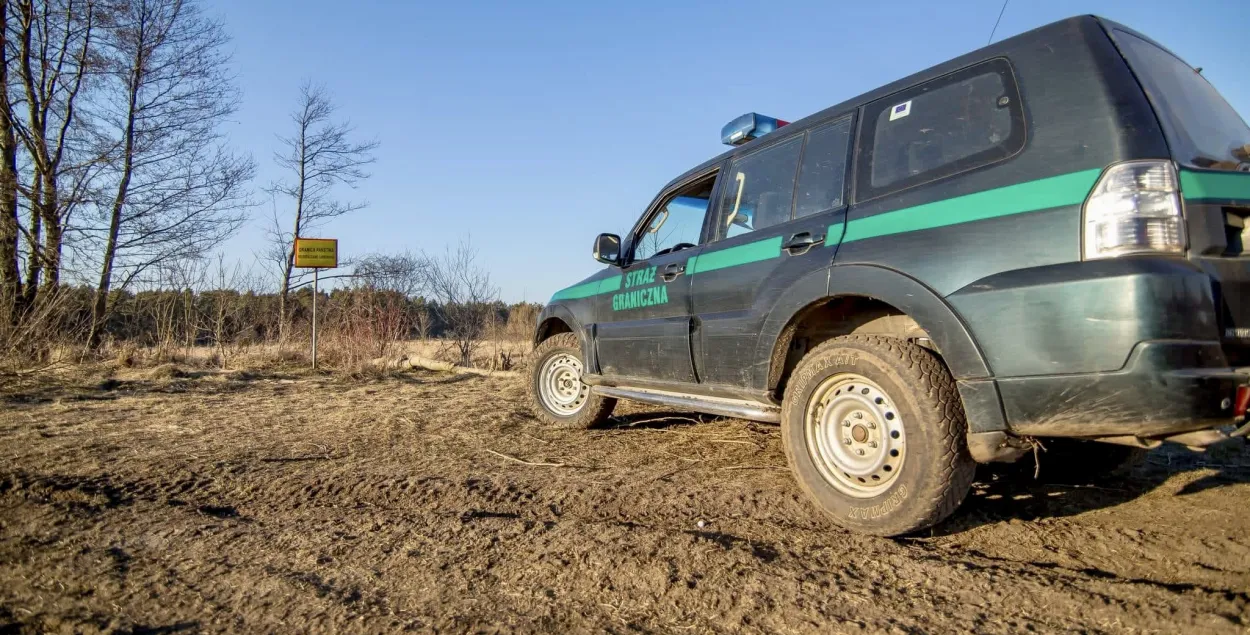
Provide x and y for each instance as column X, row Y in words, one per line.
column 677, row 224
column 1201, row 127
column 823, row 171
column 940, row 127
column 760, row 189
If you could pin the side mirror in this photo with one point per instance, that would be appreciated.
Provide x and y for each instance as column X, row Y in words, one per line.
column 608, row 249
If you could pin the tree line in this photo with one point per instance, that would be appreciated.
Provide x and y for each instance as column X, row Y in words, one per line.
column 380, row 302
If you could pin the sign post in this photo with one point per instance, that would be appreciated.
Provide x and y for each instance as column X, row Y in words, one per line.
column 316, row 254
column 314, row 320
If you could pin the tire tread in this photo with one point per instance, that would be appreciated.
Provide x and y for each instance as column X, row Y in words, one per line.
column 950, row 485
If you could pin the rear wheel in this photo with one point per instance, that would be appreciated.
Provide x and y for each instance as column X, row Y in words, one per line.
column 875, row 433
column 556, row 392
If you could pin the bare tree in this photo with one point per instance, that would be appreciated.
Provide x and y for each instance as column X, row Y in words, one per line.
column 403, row 273
column 319, row 155
column 225, row 307
column 47, row 49
column 465, row 295
column 170, row 311
column 422, row 320
column 176, row 190
column 52, row 43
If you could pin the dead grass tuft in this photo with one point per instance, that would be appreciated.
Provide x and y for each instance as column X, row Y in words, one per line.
column 240, row 375
column 166, row 371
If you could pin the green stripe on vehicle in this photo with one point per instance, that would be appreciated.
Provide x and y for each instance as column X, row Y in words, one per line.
column 834, row 235
column 742, row 254
column 1215, row 185
column 1033, row 196
column 594, row 287
column 1056, row 191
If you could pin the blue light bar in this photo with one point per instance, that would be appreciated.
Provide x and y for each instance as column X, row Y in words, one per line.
column 747, row 127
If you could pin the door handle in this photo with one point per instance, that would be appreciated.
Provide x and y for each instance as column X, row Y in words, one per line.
column 671, row 271
column 801, row 242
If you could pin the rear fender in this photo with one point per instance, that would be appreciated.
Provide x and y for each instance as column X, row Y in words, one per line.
column 947, row 331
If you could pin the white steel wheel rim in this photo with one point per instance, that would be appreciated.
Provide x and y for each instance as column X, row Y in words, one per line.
column 560, row 384
column 854, row 435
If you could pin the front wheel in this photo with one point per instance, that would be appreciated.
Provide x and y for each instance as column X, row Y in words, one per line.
column 556, row 392
column 874, row 431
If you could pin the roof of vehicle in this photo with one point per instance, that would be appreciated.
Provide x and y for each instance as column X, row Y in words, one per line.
column 993, row 50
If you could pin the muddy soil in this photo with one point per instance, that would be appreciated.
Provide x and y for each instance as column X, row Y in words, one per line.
column 436, row 503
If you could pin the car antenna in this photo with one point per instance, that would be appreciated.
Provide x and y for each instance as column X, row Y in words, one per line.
column 1000, row 19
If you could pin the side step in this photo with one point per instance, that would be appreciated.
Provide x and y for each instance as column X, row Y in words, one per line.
column 739, row 408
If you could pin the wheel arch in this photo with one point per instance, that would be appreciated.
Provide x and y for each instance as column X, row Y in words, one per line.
column 863, row 295
column 555, row 319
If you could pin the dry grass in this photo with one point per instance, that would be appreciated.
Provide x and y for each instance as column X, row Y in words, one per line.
column 332, row 356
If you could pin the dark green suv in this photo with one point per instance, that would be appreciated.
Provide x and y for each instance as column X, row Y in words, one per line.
column 1042, row 238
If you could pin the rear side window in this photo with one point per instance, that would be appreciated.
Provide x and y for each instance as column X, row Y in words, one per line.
column 823, row 171
column 760, row 189
column 965, row 120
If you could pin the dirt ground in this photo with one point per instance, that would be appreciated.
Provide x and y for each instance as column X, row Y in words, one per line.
column 436, row 503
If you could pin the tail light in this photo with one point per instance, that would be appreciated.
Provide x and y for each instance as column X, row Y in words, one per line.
column 1135, row 208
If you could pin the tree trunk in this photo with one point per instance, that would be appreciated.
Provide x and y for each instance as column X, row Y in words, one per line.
column 34, row 261
column 53, row 233
column 284, row 293
column 10, row 280
column 99, row 308
column 290, row 258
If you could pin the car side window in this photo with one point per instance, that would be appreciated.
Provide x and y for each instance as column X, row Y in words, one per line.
column 677, row 223
column 759, row 190
column 822, row 174
column 970, row 118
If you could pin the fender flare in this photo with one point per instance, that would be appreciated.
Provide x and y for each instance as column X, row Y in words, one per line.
column 562, row 313
column 960, row 352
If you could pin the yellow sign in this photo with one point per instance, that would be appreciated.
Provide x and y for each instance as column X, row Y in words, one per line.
column 316, row 253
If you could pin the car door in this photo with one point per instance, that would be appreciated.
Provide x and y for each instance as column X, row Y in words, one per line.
column 643, row 329
column 792, row 194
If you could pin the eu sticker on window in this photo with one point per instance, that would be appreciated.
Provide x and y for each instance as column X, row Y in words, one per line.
column 901, row 110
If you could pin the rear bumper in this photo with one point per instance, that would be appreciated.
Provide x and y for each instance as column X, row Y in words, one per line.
column 1165, row 387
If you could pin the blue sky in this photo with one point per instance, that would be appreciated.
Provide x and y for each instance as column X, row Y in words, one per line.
column 532, row 126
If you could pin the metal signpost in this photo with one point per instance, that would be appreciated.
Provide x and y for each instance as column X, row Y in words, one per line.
column 316, row 254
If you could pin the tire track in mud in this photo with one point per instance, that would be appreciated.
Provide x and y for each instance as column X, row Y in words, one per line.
column 385, row 514
column 477, row 499
column 854, row 576
column 490, row 495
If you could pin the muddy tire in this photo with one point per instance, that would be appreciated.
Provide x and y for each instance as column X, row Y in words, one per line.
column 874, row 431
column 1075, row 462
column 556, row 393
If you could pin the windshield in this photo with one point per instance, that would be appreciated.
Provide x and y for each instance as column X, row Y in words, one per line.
column 1202, row 129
